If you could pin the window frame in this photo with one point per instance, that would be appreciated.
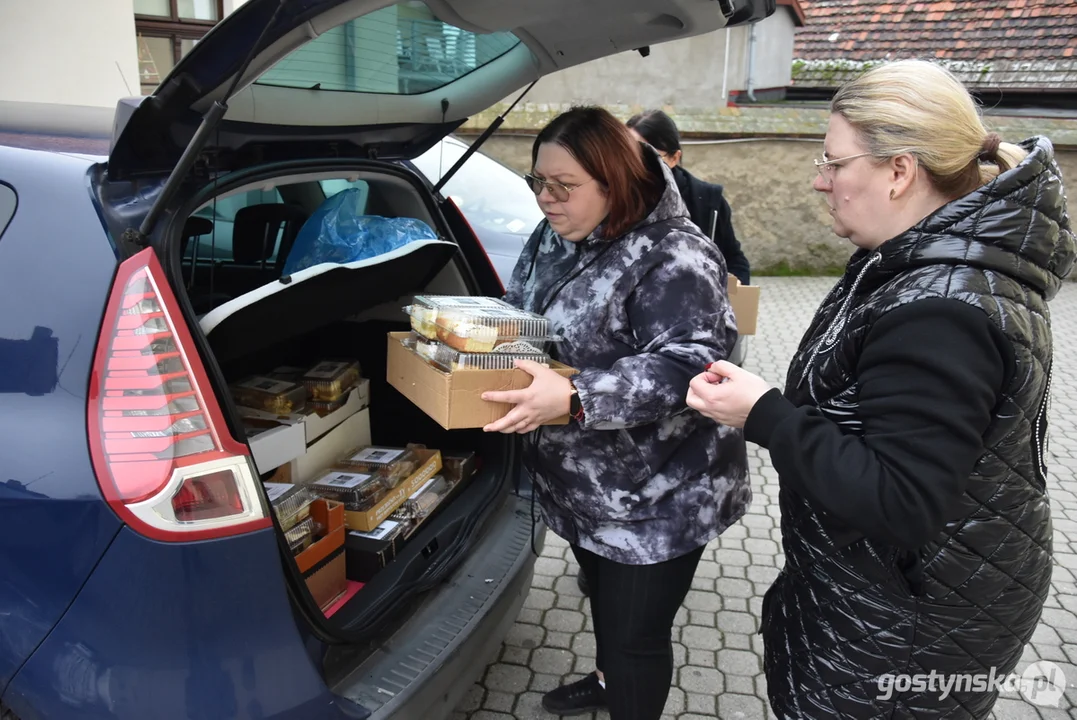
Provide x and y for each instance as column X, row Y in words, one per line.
column 174, row 29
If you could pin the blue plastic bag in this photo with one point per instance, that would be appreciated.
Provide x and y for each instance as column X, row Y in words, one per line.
column 338, row 232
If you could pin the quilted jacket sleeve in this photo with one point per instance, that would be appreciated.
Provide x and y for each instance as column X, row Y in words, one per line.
column 930, row 374
column 680, row 320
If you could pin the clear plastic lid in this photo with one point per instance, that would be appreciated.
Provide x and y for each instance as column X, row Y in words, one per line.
column 486, row 330
column 356, row 490
column 290, row 502
column 426, row 308
column 423, row 501
column 280, row 397
column 450, row 359
column 330, row 379
column 302, row 535
column 390, row 465
column 327, row 408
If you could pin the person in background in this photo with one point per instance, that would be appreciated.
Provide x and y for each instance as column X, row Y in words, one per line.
column 910, row 442
column 636, row 482
column 707, row 206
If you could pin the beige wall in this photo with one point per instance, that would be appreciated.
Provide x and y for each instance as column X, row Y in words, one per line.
column 695, row 72
column 780, row 221
column 68, row 52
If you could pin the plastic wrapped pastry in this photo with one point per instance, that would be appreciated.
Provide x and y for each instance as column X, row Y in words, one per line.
column 291, row 503
column 355, row 490
column 391, row 465
column 424, row 311
column 329, row 380
column 279, row 397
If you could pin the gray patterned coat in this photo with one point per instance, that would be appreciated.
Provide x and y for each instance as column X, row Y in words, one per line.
column 644, row 478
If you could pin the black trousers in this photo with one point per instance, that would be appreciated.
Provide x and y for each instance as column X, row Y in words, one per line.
column 633, row 608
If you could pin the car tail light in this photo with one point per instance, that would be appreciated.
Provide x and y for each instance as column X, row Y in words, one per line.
column 162, row 454
column 451, row 202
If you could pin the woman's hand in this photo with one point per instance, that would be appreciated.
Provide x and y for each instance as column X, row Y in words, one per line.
column 725, row 393
column 547, row 398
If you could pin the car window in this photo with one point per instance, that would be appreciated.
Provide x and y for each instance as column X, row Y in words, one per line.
column 217, row 244
column 8, row 201
column 402, row 49
column 336, row 185
column 491, row 196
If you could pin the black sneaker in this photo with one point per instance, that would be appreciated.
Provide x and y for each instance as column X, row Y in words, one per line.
column 578, row 698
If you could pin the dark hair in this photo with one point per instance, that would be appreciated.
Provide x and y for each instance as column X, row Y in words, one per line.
column 607, row 151
column 658, row 129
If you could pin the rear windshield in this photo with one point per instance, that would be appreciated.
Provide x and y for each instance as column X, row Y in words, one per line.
column 401, row 49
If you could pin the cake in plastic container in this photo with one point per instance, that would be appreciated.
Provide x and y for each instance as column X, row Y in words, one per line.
column 291, row 503
column 329, row 380
column 279, row 397
column 423, row 502
column 355, row 490
column 426, row 308
column 302, row 535
column 391, row 465
column 321, row 409
column 450, row 359
column 492, row 330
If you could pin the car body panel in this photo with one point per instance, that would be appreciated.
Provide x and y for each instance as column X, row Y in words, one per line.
column 56, row 268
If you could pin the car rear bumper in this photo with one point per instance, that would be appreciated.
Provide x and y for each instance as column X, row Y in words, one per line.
column 426, row 668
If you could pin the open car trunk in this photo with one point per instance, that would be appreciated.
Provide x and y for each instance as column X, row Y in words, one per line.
column 256, row 319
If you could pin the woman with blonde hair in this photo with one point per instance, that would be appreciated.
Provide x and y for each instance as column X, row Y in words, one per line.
column 910, row 439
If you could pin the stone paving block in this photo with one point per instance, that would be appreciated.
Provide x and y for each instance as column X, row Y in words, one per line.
column 702, row 658
column 701, row 638
column 708, row 602
column 525, row 636
column 552, row 661
column 550, row 566
column 544, row 683
column 515, row 656
column 702, row 704
column 735, row 641
column 739, row 662
column 736, row 622
column 499, row 701
column 702, row 618
column 568, row 621
column 507, row 678
column 740, row 707
column 734, row 571
column 543, row 582
column 540, row 600
column 701, row 680
column 559, row 640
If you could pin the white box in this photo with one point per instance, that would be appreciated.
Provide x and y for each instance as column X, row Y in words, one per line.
column 358, row 398
column 351, row 433
column 277, row 446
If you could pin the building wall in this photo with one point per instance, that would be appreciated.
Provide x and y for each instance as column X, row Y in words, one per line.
column 68, row 53
column 696, row 72
column 781, row 222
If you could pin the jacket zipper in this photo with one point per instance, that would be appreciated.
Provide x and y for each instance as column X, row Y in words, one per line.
column 1040, row 447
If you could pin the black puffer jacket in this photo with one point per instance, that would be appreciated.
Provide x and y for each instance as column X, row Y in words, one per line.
column 919, row 546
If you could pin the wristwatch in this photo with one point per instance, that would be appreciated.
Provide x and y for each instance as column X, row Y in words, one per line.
column 575, row 406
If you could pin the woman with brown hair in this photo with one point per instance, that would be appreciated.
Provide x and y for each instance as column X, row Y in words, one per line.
column 637, row 483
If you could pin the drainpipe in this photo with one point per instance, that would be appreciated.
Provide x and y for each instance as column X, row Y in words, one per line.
column 751, row 62
column 725, row 70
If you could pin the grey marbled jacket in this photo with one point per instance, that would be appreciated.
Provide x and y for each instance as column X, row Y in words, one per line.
column 644, row 478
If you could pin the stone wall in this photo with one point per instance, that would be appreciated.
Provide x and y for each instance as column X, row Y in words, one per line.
column 780, row 221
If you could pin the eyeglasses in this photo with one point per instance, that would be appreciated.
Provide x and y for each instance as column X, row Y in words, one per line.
column 825, row 167
column 559, row 191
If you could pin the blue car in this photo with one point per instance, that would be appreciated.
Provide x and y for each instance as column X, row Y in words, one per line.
column 143, row 572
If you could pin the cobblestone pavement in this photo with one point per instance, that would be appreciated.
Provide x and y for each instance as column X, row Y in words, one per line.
column 719, row 670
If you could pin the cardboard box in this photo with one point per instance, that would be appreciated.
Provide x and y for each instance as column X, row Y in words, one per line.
column 325, row 451
column 314, row 425
column 323, row 564
column 368, row 520
column 275, row 447
column 368, row 552
column 745, row 302
column 454, row 399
